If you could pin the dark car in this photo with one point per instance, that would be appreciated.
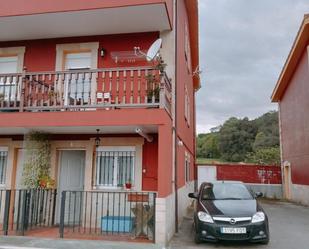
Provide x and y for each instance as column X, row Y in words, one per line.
column 229, row 211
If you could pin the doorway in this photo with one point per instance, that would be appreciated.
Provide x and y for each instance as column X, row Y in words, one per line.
column 71, row 178
column 287, row 180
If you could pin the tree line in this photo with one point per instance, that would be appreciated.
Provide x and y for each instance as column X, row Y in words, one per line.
column 243, row 140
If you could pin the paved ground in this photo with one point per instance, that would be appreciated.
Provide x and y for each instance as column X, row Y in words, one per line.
column 14, row 242
column 289, row 229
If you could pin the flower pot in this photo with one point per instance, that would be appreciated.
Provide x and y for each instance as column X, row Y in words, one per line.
column 128, row 185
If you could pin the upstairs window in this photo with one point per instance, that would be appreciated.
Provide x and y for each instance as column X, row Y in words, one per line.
column 78, row 89
column 3, row 164
column 187, row 167
column 187, row 106
column 8, row 88
column 115, row 166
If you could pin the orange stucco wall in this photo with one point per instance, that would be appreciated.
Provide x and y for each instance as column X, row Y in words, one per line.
column 294, row 116
column 121, row 117
column 165, row 168
column 185, row 132
column 40, row 55
column 150, row 165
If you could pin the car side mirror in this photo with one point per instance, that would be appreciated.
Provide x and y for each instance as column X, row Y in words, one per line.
column 193, row 195
column 258, row 194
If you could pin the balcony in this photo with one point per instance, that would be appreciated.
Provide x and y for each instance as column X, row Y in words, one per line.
column 85, row 90
column 71, row 18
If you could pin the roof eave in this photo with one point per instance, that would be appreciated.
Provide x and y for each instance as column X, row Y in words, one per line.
column 192, row 8
column 300, row 43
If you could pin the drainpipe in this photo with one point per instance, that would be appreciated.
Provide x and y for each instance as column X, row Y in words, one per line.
column 175, row 119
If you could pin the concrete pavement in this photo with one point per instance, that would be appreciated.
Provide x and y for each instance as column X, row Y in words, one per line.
column 289, row 229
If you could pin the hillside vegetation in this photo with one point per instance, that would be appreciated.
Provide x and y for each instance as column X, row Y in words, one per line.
column 243, row 140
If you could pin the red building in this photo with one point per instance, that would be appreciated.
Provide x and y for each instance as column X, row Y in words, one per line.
column 291, row 93
column 68, row 69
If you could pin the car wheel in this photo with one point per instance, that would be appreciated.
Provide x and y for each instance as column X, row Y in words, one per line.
column 197, row 238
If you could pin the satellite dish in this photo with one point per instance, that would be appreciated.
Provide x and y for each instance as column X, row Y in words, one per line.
column 154, row 50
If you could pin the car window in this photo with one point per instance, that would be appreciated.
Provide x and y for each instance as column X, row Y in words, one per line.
column 225, row 191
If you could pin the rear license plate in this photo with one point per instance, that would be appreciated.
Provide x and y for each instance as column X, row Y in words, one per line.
column 233, row 230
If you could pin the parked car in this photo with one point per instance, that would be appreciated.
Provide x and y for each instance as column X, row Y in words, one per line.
column 229, row 211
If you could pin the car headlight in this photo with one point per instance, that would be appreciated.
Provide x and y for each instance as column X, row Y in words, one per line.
column 204, row 217
column 258, row 217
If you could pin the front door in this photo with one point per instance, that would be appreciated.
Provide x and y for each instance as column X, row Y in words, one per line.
column 71, row 179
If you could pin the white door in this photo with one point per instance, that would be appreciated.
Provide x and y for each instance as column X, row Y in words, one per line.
column 71, row 178
column 78, row 89
column 206, row 174
column 8, row 89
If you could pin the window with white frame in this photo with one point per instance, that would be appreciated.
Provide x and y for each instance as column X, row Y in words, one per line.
column 115, row 166
column 3, row 164
column 8, row 87
column 187, row 167
column 187, row 106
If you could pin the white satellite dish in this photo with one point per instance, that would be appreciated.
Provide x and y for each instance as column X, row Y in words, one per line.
column 154, row 50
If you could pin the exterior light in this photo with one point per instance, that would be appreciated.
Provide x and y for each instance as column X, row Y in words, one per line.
column 102, row 52
column 97, row 139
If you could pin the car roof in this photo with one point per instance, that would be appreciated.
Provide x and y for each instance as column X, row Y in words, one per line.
column 222, row 182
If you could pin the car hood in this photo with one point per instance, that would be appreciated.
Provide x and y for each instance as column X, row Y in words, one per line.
column 231, row 208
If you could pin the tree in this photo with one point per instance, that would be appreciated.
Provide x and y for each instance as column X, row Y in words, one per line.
column 236, row 138
column 265, row 156
column 207, row 146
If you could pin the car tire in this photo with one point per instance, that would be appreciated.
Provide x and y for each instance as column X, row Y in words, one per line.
column 197, row 239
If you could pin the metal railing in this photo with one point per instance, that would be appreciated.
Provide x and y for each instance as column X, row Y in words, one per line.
column 85, row 89
column 78, row 213
column 108, row 213
column 22, row 210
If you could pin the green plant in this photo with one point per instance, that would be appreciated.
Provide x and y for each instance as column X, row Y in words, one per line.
column 153, row 87
column 161, row 65
column 38, row 160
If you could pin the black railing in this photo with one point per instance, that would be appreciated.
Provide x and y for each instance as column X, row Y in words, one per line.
column 78, row 213
column 108, row 213
column 22, row 210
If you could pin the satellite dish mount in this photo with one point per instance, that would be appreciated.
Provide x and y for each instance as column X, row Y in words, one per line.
column 153, row 51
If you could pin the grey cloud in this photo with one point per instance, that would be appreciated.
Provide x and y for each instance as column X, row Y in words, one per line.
column 243, row 46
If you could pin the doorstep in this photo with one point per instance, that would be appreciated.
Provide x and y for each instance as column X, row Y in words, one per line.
column 18, row 242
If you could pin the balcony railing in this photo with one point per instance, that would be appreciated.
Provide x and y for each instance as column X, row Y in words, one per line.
column 76, row 90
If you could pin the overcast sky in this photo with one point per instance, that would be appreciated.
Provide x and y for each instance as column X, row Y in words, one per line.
column 243, row 46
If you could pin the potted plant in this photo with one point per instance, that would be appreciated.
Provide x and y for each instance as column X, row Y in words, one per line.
column 128, row 184
column 153, row 88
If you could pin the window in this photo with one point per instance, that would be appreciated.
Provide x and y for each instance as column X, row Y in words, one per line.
column 187, row 47
column 115, row 166
column 187, row 167
column 187, row 106
column 3, row 164
column 8, row 85
column 78, row 88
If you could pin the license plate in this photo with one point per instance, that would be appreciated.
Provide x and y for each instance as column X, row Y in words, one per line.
column 233, row 230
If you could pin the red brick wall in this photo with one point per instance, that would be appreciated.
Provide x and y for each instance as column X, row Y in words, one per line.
column 249, row 173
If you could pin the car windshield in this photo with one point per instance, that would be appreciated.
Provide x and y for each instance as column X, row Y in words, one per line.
column 226, row 191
